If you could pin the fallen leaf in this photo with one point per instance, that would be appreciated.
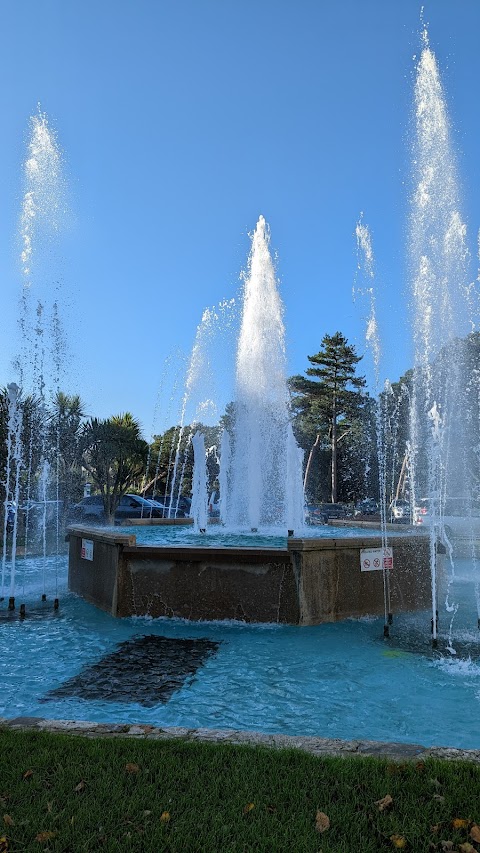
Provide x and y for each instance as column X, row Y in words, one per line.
column 80, row 787
column 147, row 813
column 398, row 841
column 475, row 832
column 3, row 844
column 435, row 828
column 8, row 821
column 28, row 774
column 248, row 808
column 438, row 798
column 132, row 768
column 45, row 836
column 322, row 822
column 466, row 848
column 165, row 817
column 384, row 803
column 446, row 846
column 420, row 766
column 460, row 823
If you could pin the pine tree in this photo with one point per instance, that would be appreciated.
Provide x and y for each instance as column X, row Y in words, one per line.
column 332, row 399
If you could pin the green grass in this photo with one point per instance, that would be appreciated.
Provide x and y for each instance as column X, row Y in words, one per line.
column 82, row 791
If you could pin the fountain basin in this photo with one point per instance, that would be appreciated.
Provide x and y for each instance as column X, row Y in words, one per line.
column 309, row 582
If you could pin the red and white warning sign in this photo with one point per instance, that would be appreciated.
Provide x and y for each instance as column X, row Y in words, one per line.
column 86, row 552
column 376, row 559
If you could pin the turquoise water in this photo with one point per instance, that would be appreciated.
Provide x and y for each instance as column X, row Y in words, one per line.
column 216, row 536
column 340, row 680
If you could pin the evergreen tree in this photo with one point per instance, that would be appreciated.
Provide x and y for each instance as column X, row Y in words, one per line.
column 162, row 459
column 331, row 402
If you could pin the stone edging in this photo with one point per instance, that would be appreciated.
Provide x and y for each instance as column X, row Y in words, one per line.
column 313, row 745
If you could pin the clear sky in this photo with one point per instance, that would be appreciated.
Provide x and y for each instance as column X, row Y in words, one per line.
column 182, row 122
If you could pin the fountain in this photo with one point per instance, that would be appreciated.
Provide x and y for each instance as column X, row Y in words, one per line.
column 277, row 676
column 306, row 581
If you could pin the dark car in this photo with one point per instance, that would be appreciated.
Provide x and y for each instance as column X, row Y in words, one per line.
column 131, row 506
column 314, row 514
column 183, row 509
column 368, row 506
column 329, row 511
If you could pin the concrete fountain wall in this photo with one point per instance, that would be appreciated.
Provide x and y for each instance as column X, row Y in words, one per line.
column 309, row 582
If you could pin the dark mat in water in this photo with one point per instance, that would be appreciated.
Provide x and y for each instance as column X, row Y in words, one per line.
column 144, row 670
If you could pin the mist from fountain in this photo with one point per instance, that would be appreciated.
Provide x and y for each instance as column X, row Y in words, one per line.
column 438, row 260
column 40, row 358
column 262, row 485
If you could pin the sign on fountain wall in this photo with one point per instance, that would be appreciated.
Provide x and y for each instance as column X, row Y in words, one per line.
column 86, row 552
column 376, row 559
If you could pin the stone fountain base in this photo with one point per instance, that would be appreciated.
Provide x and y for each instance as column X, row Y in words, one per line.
column 309, row 582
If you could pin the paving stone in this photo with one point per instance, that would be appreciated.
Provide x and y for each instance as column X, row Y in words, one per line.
column 312, row 745
column 23, row 722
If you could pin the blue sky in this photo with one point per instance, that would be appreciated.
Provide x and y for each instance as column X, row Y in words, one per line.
column 180, row 123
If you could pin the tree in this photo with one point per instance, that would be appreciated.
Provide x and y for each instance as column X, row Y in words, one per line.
column 65, row 446
column 162, row 460
column 328, row 402
column 114, row 454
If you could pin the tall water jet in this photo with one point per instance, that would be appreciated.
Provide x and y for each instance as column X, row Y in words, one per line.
column 199, row 510
column 199, row 389
column 438, row 279
column 12, row 479
column 258, row 466
column 41, row 358
column 366, row 261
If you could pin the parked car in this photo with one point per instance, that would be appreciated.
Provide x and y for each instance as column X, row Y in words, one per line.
column 184, row 504
column 332, row 511
column 461, row 517
column 91, row 509
column 399, row 511
column 314, row 514
column 368, row 506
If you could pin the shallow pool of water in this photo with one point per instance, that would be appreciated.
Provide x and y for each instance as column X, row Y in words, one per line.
column 337, row 680
column 218, row 537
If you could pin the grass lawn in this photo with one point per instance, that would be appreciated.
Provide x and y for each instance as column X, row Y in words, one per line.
column 72, row 793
